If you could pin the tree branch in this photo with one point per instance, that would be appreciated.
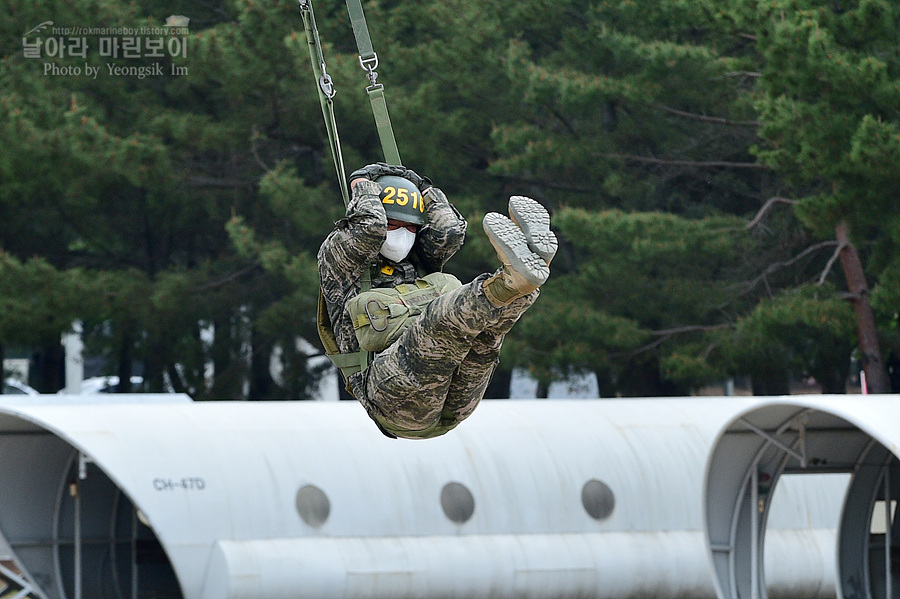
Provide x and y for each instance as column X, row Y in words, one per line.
column 225, row 279
column 785, row 263
column 664, row 334
column 565, row 123
column 690, row 328
column 547, row 184
column 639, row 350
column 704, row 118
column 254, row 148
column 199, row 181
column 765, row 209
column 688, row 163
column 830, row 264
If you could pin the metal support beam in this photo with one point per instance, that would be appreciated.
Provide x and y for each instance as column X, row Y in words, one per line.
column 754, row 532
column 888, row 591
column 800, row 456
column 76, row 498
column 13, row 577
column 76, row 494
column 134, row 566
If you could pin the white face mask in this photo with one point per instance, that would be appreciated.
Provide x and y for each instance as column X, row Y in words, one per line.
column 397, row 244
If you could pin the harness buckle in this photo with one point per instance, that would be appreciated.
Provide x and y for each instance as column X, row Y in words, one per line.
column 369, row 65
column 372, row 318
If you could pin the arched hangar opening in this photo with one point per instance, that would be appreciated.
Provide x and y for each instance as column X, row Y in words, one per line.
column 73, row 530
column 859, row 435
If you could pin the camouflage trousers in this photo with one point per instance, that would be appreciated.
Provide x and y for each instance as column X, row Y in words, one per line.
column 433, row 377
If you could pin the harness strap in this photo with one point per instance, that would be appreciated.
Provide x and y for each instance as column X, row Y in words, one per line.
column 361, row 32
column 368, row 60
column 365, row 283
column 350, row 363
column 326, row 91
column 358, row 361
column 383, row 124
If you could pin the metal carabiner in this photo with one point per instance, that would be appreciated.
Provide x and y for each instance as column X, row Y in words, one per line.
column 369, row 65
column 372, row 319
column 327, row 84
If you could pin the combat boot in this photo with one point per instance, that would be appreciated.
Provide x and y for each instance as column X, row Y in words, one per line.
column 534, row 220
column 521, row 272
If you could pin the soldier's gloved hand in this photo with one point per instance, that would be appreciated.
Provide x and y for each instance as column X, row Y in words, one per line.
column 373, row 171
column 423, row 183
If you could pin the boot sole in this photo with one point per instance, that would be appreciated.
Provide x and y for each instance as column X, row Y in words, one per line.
column 534, row 220
column 509, row 241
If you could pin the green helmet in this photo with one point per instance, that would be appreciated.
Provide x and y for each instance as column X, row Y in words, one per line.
column 402, row 200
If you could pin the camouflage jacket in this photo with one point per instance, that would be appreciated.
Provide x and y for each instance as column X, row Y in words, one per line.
column 354, row 246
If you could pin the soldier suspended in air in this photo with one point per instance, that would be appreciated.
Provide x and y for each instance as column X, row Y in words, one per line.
column 417, row 348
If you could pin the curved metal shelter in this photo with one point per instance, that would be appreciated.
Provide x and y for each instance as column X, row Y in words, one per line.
column 758, row 447
column 228, row 500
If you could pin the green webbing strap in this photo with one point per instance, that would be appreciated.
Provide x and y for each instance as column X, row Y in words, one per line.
column 383, row 124
column 361, row 31
column 359, row 361
column 347, row 363
column 368, row 60
column 365, row 284
column 325, row 87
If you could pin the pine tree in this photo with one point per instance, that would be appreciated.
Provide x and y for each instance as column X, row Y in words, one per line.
column 709, row 108
column 134, row 180
column 830, row 84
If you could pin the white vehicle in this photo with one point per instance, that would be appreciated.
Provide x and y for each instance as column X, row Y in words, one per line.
column 12, row 386
column 104, row 384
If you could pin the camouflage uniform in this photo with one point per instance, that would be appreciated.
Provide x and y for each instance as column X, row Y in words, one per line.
column 434, row 375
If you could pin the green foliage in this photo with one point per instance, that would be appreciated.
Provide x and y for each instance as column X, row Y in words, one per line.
column 659, row 268
column 689, row 365
column 37, row 301
column 134, row 181
column 615, row 105
column 179, row 217
column 655, row 109
column 809, row 332
column 635, row 277
column 831, row 83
